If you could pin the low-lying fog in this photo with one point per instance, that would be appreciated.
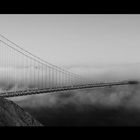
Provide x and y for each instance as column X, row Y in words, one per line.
column 118, row 105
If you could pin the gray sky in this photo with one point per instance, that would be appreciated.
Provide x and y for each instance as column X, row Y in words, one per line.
column 76, row 39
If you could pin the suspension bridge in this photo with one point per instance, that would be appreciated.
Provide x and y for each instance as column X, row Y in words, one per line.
column 22, row 73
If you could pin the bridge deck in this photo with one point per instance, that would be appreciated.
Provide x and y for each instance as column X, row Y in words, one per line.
column 58, row 89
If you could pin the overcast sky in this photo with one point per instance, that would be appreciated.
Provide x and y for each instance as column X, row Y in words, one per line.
column 76, row 39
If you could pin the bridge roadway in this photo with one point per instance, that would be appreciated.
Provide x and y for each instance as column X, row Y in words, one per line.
column 57, row 89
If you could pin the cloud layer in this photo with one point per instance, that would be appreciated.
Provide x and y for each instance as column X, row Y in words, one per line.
column 115, row 96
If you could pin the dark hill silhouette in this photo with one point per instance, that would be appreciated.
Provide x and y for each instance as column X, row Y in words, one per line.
column 13, row 115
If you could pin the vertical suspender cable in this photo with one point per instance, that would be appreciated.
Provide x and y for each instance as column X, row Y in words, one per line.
column 38, row 74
